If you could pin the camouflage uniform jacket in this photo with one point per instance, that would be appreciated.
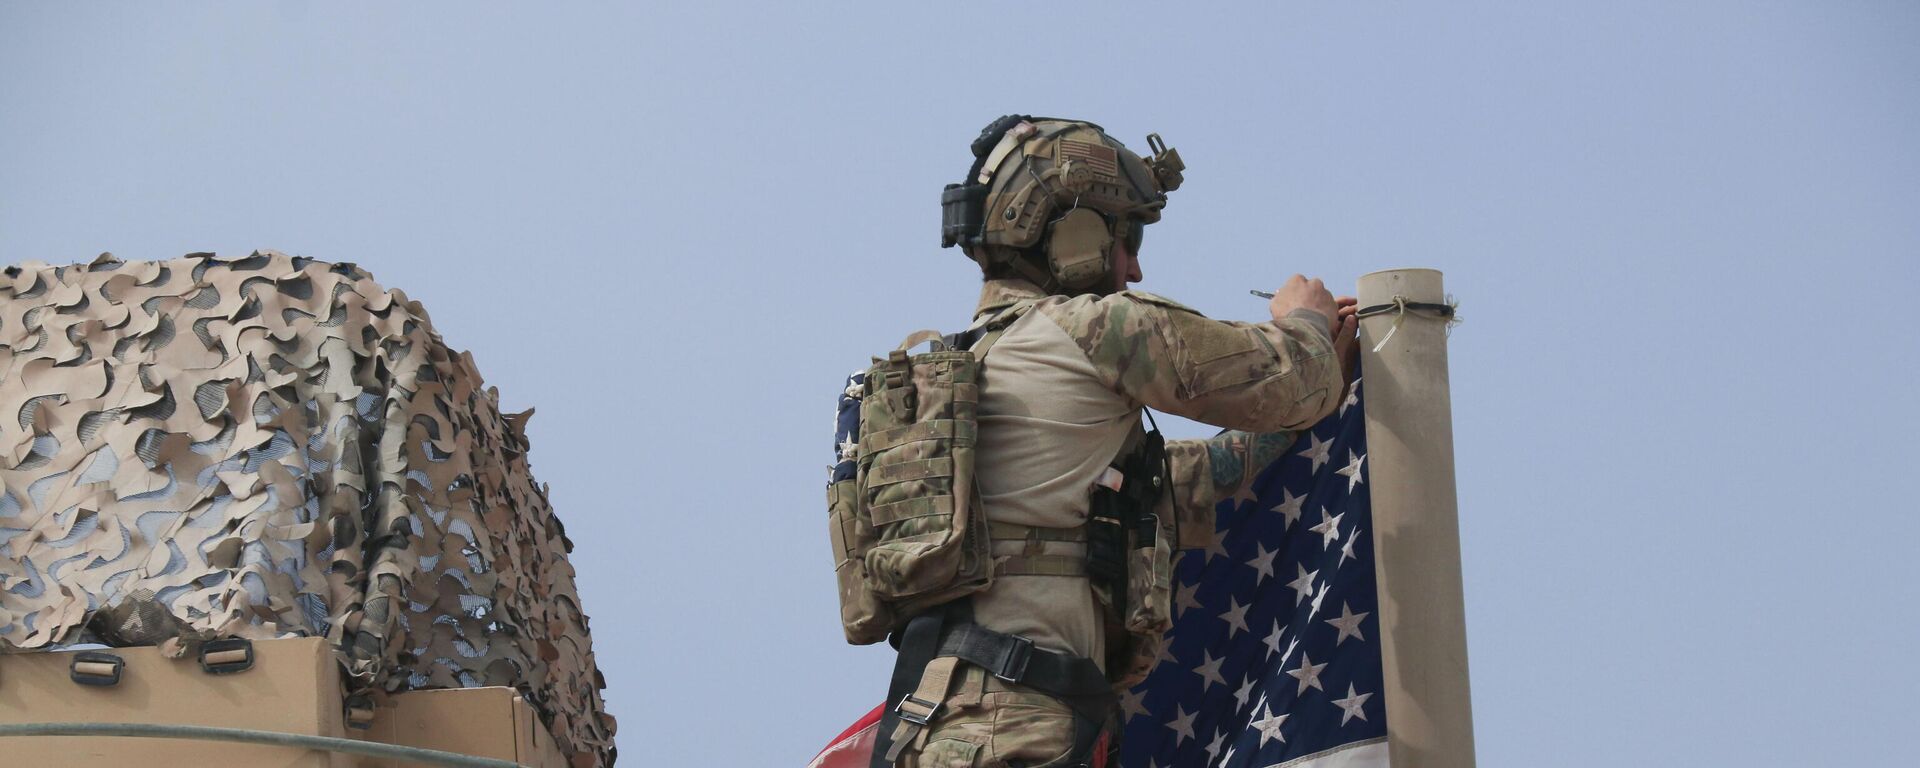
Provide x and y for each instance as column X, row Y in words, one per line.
column 1062, row 395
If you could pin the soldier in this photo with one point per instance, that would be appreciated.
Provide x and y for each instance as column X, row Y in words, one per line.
column 1085, row 505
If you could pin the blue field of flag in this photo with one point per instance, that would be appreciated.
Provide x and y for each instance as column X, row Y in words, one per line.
column 1274, row 656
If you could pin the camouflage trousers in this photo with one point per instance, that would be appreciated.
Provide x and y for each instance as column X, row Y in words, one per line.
column 986, row 722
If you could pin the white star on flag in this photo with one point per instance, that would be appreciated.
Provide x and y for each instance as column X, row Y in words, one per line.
column 1350, row 707
column 1269, row 727
column 1236, row 617
column 1329, row 527
column 1210, row 671
column 1132, row 704
column 1262, row 563
column 1302, row 585
column 1289, row 506
column 1346, row 549
column 1164, row 654
column 1352, row 470
column 1317, row 450
column 1182, row 725
column 1308, row 673
column 1348, row 624
column 1183, row 597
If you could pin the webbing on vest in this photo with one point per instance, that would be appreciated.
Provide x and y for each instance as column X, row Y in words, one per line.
column 1017, row 532
column 1033, row 561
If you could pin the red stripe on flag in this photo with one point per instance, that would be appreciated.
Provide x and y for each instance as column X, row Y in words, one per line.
column 853, row 748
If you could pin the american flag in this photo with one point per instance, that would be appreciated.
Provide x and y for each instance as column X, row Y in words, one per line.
column 846, row 428
column 1101, row 159
column 1274, row 655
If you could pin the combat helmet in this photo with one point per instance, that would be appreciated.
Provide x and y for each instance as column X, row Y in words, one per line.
column 1047, row 198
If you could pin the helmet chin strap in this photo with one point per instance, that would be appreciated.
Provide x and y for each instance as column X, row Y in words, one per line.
column 1035, row 273
column 1025, row 266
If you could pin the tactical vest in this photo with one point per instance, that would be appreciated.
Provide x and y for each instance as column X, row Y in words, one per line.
column 907, row 526
column 908, row 529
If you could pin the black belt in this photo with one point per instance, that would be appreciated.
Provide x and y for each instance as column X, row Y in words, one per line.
column 949, row 631
column 1014, row 659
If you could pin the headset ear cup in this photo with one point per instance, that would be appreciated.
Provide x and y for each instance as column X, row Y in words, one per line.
column 1077, row 248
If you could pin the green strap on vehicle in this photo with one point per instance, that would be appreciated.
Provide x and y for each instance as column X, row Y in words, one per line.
column 415, row 755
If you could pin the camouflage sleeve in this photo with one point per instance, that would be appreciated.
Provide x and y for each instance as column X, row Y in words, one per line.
column 1258, row 377
column 1206, row 471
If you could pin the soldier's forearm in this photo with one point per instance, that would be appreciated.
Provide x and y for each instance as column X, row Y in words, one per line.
column 1287, row 380
column 1316, row 318
column 1208, row 470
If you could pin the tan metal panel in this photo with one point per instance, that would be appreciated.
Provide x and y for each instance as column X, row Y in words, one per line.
column 483, row 722
column 293, row 687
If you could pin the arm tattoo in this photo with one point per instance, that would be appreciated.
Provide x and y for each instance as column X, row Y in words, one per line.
column 1235, row 457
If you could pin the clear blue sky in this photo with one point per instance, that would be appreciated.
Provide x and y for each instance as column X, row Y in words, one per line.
column 1683, row 235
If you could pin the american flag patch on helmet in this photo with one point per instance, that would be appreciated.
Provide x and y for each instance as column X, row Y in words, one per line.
column 1099, row 158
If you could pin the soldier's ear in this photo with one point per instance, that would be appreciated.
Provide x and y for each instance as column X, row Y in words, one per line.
column 1077, row 249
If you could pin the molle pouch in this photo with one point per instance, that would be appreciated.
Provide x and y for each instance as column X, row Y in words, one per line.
column 864, row 617
column 1147, row 612
column 1149, row 584
column 907, row 527
column 915, row 477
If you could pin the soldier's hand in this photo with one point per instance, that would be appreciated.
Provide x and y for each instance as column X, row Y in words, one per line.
column 1346, row 336
column 1302, row 293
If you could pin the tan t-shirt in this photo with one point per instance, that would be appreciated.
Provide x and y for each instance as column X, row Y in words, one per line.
column 1063, row 389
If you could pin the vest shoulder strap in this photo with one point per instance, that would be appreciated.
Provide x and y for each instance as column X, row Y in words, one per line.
column 981, row 337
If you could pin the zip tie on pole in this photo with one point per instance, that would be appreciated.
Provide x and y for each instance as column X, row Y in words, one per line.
column 1400, row 307
column 250, row 736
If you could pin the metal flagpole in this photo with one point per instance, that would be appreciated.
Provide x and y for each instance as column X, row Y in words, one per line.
column 1416, row 522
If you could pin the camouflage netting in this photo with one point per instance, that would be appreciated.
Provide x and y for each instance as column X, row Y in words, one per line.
column 274, row 447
